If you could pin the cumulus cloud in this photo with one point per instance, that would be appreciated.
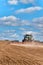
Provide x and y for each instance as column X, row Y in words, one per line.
column 9, row 35
column 10, row 20
column 27, row 1
column 25, row 22
column 25, row 26
column 14, row 35
column 9, row 17
column 15, row 2
column 38, row 22
column 30, row 32
column 22, row 29
column 27, row 32
column 29, row 10
column 13, row 21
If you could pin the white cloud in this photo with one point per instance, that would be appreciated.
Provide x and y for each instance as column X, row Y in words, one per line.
column 36, row 27
column 9, row 31
column 38, row 19
column 27, row 1
column 38, row 22
column 22, row 29
column 9, row 35
column 13, row 2
column 10, row 20
column 25, row 22
column 28, row 32
column 14, row 35
column 13, row 21
column 29, row 10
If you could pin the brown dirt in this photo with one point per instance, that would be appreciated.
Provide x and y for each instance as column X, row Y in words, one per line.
column 17, row 55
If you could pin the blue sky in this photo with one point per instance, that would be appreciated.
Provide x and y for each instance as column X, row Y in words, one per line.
column 18, row 17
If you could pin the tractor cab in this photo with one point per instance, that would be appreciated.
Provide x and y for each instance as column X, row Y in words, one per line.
column 27, row 37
